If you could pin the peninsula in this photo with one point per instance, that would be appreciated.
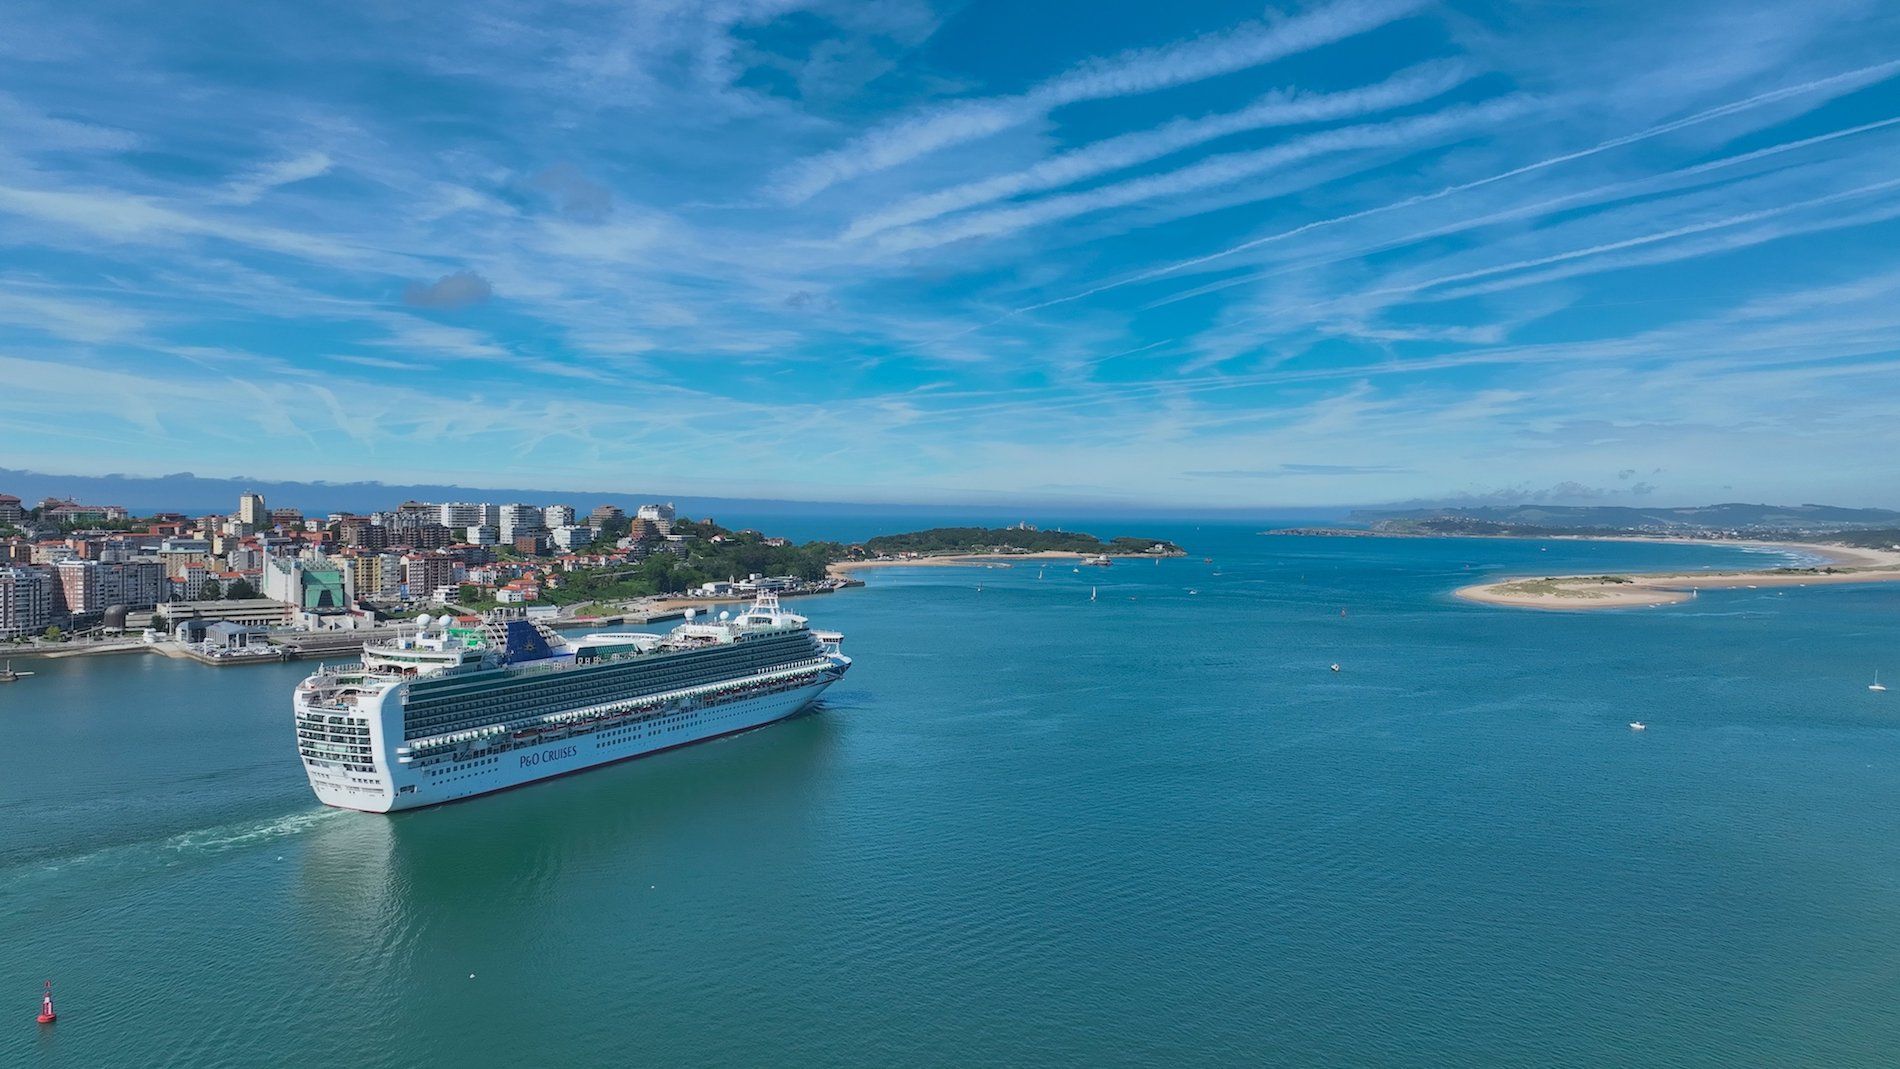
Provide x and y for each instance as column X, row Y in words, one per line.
column 981, row 545
column 1859, row 545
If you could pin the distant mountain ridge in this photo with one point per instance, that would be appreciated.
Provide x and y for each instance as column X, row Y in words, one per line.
column 1725, row 517
column 196, row 494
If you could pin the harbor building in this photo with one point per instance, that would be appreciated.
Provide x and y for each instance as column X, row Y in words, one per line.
column 306, row 582
column 86, row 587
column 262, row 612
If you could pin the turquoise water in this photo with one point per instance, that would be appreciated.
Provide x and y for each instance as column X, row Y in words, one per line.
column 1028, row 830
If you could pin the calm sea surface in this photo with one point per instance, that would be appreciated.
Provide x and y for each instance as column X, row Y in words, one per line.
column 1028, row 829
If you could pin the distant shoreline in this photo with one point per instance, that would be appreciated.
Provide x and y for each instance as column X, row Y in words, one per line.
column 1849, row 564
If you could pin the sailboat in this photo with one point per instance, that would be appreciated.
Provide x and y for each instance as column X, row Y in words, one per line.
column 1091, row 593
column 1877, row 684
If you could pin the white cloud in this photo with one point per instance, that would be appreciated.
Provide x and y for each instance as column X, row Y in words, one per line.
column 1282, row 108
column 1133, row 72
column 248, row 187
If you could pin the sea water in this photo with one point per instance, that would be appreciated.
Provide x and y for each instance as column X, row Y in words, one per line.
column 1031, row 828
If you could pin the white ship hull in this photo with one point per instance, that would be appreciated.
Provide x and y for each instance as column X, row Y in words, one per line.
column 409, row 787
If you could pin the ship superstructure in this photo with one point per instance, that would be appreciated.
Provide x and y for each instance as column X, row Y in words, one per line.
column 464, row 707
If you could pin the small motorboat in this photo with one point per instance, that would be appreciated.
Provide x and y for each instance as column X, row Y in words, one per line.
column 1335, row 666
column 1638, row 725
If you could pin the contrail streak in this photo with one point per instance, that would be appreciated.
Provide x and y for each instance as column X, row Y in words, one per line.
column 1874, row 72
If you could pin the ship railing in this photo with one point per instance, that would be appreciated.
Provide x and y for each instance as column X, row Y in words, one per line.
column 566, row 664
column 414, row 747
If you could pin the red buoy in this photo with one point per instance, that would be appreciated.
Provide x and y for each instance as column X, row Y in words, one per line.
column 47, row 1016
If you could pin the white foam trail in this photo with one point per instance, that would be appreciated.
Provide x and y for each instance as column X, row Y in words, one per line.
column 170, row 849
column 233, row 836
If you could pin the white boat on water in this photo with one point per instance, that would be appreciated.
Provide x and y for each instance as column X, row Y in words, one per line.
column 1877, row 684
column 1638, row 725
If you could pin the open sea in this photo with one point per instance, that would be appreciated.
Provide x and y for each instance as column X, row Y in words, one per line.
column 1029, row 829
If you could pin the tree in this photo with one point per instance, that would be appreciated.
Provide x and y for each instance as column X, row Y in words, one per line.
column 241, row 589
column 53, row 634
column 210, row 591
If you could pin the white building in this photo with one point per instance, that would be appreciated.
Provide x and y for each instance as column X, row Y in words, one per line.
column 557, row 516
column 519, row 520
column 660, row 516
column 571, row 538
column 482, row 534
column 459, row 514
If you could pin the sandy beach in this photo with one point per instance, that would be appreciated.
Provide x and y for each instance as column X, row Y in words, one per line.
column 1847, row 564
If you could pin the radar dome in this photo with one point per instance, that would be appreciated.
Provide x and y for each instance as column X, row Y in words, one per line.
column 725, row 616
column 424, row 621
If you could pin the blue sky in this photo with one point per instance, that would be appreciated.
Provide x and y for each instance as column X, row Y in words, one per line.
column 1215, row 254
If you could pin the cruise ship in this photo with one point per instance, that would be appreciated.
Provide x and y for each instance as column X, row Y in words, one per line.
column 462, row 707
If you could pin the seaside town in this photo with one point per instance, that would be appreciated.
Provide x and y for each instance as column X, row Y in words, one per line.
column 265, row 583
column 272, row 583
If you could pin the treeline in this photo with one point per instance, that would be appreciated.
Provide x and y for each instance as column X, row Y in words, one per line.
column 735, row 555
column 989, row 539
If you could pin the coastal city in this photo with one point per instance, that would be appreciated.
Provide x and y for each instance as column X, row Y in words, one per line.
column 948, row 533
column 264, row 582
column 271, row 583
